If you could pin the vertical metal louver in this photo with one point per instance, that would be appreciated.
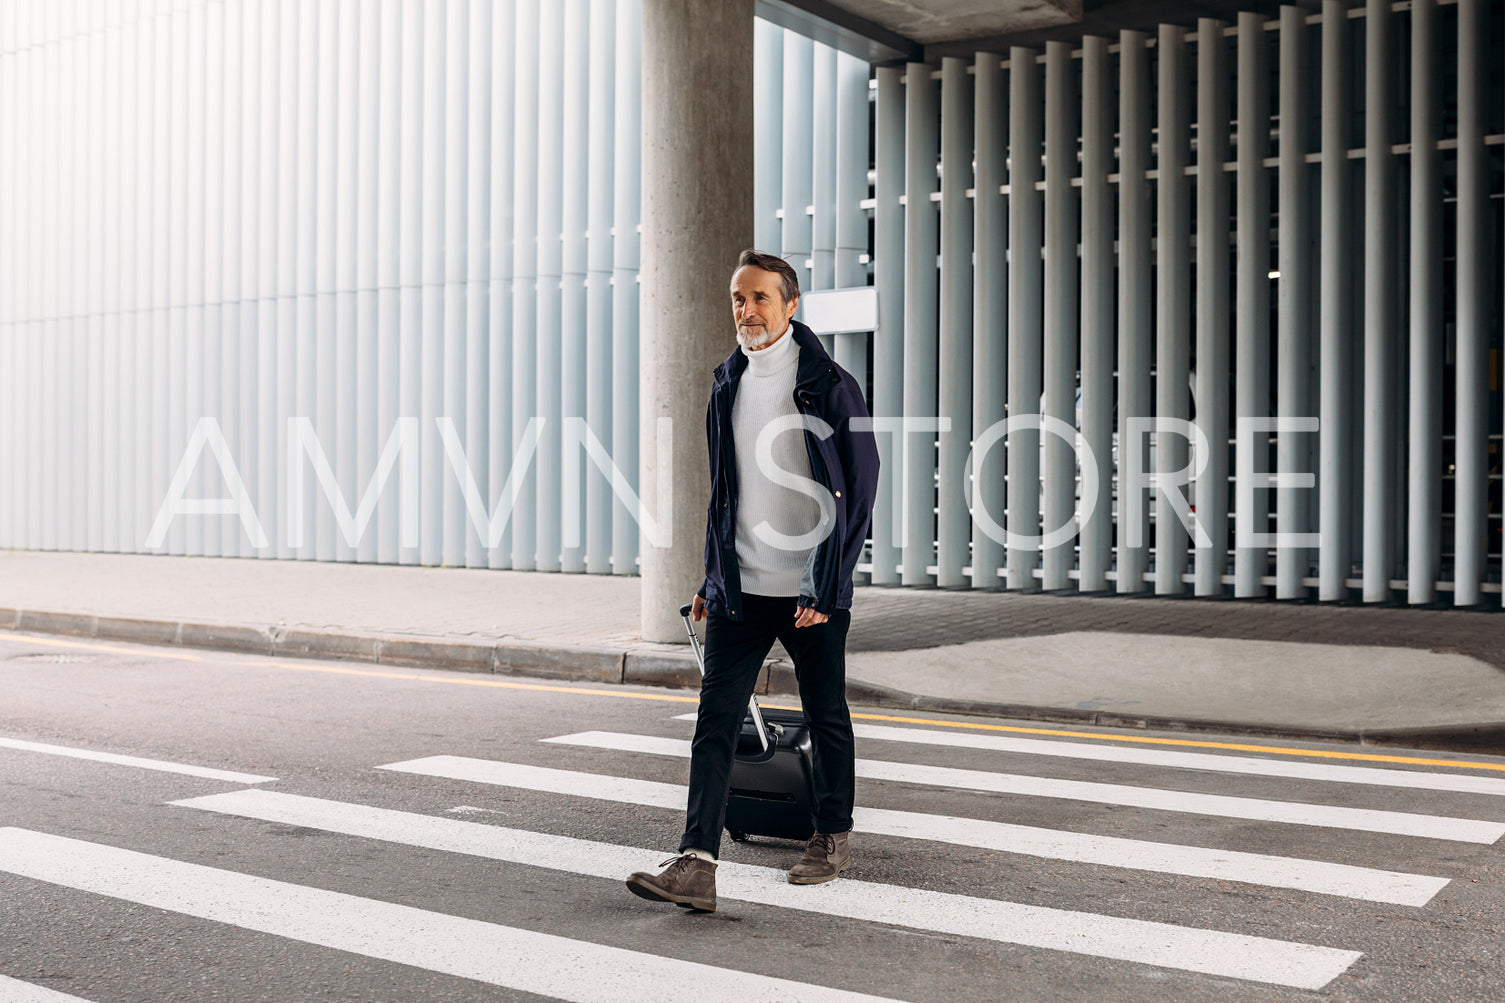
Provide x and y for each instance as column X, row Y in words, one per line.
column 1245, row 265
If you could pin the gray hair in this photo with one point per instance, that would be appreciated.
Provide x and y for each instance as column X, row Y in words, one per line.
column 777, row 265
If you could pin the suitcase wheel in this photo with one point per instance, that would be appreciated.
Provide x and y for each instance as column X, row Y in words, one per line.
column 738, row 837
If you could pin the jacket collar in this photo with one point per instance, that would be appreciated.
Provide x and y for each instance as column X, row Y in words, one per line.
column 816, row 371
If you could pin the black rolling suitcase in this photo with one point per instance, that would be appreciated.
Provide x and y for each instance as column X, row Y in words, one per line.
column 772, row 790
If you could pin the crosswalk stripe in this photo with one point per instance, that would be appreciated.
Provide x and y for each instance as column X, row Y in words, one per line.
column 1313, row 876
column 16, row 991
column 160, row 765
column 545, row 779
column 1209, row 952
column 510, row 957
column 1223, row 805
column 1414, row 779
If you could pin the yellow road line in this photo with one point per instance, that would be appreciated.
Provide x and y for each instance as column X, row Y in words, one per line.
column 49, row 642
column 1151, row 740
column 933, row 722
column 930, row 722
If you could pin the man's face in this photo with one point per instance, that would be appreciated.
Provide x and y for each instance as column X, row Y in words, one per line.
column 758, row 307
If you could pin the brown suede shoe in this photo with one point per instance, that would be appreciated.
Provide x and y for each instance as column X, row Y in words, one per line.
column 688, row 882
column 826, row 855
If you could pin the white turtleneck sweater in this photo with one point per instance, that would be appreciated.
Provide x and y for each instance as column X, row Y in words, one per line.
column 765, row 393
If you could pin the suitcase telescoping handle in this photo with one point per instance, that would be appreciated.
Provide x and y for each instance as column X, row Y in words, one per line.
column 752, row 704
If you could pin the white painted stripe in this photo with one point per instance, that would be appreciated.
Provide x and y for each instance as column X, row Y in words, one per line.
column 1292, row 769
column 547, row 780
column 145, row 764
column 1223, row 805
column 16, row 991
column 486, row 952
column 1206, row 951
column 1110, row 851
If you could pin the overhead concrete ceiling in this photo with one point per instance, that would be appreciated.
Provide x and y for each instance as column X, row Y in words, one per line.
column 894, row 30
column 927, row 21
column 1108, row 17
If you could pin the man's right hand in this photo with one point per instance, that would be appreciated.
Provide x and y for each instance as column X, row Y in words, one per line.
column 697, row 609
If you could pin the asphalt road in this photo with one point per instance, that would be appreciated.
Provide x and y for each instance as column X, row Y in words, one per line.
column 1017, row 862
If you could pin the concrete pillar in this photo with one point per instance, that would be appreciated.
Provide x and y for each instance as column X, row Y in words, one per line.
column 698, row 147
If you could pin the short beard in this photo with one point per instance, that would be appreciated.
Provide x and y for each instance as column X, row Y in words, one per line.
column 751, row 343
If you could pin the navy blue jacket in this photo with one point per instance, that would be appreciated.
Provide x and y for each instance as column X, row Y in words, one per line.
column 845, row 463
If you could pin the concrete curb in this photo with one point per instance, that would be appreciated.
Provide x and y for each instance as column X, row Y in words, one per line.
column 135, row 631
column 558, row 661
column 313, row 644
column 671, row 669
column 73, row 624
column 599, row 665
column 659, row 669
column 504, row 658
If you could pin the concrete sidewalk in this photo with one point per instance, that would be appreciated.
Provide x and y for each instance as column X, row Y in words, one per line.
column 1426, row 677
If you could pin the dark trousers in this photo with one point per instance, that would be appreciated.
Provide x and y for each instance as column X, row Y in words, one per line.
column 734, row 653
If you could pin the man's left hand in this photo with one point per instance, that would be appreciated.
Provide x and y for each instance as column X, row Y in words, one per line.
column 806, row 617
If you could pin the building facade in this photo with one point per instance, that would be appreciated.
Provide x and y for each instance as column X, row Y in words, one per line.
column 1206, row 308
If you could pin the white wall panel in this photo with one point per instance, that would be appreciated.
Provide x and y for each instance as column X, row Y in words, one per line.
column 626, row 250
column 432, row 298
column 1060, row 310
column 920, row 334
column 600, row 351
column 181, row 353
column 382, row 231
column 298, row 312
column 549, row 360
column 1472, row 313
column 954, row 400
column 97, row 288
column 798, row 153
column 574, row 360
column 823, row 163
column 1026, row 310
column 1098, row 315
column 155, row 304
column 370, row 433
column 136, row 293
column 277, row 195
column 525, row 274
column 1424, row 502
column 11, row 111
column 768, row 116
column 989, row 313
column 1294, row 326
column 888, row 344
column 1213, row 304
column 1252, row 301
column 1335, row 310
column 59, row 58
column 409, row 242
column 1172, row 307
column 346, row 370
column 1380, row 298
column 499, row 369
column 476, row 365
column 221, row 395
column 853, row 126
column 449, row 376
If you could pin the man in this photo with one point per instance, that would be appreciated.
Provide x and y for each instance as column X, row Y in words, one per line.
column 792, row 486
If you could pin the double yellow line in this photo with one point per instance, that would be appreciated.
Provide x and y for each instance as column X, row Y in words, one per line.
column 622, row 694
